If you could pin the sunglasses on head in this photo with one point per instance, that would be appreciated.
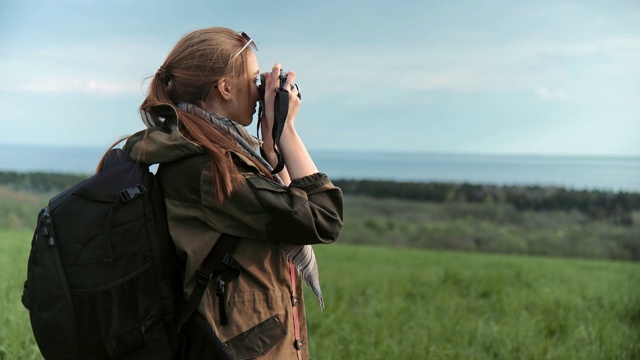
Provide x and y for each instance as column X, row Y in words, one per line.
column 249, row 42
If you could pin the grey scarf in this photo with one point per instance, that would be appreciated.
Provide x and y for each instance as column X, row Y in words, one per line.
column 302, row 256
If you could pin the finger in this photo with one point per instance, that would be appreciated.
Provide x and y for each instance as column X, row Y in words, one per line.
column 275, row 75
column 291, row 77
column 266, row 80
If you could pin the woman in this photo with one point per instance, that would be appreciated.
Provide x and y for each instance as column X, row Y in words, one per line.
column 215, row 183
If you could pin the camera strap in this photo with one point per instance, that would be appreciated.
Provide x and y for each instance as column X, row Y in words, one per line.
column 280, row 112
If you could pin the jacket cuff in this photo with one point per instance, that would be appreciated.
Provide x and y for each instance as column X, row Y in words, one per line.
column 311, row 182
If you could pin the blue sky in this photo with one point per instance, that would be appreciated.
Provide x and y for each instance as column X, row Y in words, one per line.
column 504, row 77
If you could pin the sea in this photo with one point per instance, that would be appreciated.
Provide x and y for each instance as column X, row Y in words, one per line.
column 571, row 172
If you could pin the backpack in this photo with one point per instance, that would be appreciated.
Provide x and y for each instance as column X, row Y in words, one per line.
column 103, row 277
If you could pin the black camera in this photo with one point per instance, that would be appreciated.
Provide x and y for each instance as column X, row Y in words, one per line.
column 283, row 82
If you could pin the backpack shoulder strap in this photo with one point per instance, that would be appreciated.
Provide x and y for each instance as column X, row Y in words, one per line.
column 218, row 261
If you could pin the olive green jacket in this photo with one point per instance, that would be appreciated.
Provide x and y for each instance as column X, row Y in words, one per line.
column 264, row 214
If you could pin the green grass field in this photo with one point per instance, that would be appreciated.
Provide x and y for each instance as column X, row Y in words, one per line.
column 393, row 303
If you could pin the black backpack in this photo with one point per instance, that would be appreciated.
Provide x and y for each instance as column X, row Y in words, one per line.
column 103, row 278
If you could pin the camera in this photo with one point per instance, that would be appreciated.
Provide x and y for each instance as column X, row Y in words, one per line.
column 283, row 81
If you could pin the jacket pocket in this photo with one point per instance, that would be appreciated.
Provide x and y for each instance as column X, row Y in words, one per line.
column 258, row 340
column 261, row 183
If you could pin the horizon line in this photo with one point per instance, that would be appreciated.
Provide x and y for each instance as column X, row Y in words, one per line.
column 380, row 151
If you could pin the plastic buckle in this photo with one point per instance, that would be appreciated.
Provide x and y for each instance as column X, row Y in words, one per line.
column 133, row 192
column 220, row 290
column 204, row 276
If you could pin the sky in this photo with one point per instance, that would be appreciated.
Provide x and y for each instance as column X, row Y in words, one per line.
column 550, row 77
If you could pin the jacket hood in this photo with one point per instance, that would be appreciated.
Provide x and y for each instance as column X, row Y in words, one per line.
column 164, row 142
column 157, row 145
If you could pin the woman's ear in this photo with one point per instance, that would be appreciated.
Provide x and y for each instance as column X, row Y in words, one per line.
column 224, row 88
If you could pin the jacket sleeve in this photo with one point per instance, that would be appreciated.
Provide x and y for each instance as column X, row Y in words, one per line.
column 308, row 211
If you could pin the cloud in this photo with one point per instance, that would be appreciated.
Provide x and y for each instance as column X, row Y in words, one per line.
column 518, row 66
column 545, row 93
column 119, row 65
column 78, row 85
column 599, row 69
column 108, row 68
column 561, row 94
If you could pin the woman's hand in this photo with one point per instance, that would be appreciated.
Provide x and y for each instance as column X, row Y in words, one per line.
column 297, row 160
column 272, row 82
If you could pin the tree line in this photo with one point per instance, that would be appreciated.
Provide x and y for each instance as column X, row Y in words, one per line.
column 597, row 204
column 39, row 182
